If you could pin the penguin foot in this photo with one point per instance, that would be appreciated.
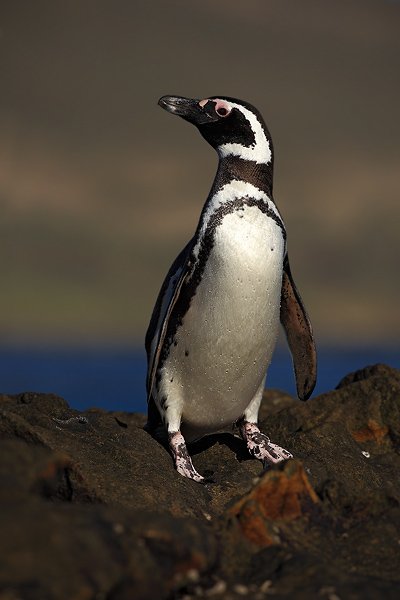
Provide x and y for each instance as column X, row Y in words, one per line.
column 183, row 462
column 260, row 446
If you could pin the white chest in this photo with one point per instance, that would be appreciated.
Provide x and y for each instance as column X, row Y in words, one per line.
column 228, row 335
column 240, row 290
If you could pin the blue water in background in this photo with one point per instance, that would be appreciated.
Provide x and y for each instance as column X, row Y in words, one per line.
column 114, row 378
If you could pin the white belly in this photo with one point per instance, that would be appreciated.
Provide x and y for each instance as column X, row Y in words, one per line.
column 229, row 333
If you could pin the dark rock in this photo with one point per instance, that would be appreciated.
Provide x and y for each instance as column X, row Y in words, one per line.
column 91, row 507
column 370, row 371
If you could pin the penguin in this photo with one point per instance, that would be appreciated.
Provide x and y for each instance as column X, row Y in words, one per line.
column 215, row 322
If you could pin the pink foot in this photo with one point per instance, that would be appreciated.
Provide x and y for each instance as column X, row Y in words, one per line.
column 260, row 446
column 183, row 462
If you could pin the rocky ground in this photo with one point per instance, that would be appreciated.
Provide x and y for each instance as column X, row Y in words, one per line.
column 92, row 509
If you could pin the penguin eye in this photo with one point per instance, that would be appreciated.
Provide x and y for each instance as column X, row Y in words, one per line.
column 222, row 108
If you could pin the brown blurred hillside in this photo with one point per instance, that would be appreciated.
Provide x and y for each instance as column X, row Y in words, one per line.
column 99, row 188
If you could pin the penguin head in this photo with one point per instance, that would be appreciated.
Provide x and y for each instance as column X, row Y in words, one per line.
column 233, row 127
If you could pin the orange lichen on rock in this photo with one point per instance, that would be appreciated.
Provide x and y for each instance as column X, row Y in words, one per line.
column 279, row 496
column 57, row 463
column 373, row 432
column 253, row 525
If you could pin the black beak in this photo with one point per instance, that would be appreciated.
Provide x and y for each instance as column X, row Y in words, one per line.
column 187, row 108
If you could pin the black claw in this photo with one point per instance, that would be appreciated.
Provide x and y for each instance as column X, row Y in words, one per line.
column 208, row 473
column 208, row 480
column 208, row 476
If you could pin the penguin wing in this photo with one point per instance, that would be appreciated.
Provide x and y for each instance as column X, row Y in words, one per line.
column 165, row 302
column 299, row 334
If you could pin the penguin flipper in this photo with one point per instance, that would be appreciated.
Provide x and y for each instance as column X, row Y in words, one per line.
column 162, row 311
column 299, row 334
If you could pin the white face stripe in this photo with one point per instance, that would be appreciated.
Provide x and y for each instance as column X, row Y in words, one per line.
column 260, row 151
column 230, row 191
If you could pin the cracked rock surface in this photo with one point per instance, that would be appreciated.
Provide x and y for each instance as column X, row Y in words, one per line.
column 92, row 509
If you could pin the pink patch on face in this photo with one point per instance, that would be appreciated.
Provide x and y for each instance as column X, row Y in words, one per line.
column 222, row 106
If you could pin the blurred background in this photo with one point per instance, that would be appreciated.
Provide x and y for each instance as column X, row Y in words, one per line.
column 100, row 188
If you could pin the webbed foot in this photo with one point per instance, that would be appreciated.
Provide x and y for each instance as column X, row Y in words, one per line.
column 260, row 446
column 182, row 459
